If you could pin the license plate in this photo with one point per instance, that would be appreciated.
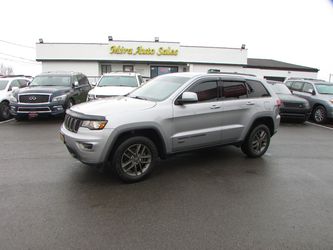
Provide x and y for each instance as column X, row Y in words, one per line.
column 62, row 137
column 33, row 114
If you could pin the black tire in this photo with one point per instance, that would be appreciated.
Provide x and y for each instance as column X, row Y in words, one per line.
column 134, row 159
column 319, row 114
column 257, row 141
column 4, row 111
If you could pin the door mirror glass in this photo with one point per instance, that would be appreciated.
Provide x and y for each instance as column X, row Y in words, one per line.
column 313, row 92
column 188, row 97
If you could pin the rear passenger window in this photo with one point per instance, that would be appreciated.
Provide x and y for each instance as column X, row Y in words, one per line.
column 297, row 86
column 256, row 89
column 233, row 90
column 206, row 91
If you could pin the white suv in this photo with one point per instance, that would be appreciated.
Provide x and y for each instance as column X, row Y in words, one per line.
column 115, row 84
column 7, row 85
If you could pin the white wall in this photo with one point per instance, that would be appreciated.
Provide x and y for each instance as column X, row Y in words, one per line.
column 205, row 67
column 87, row 68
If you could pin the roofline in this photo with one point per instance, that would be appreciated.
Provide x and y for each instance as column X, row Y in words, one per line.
column 283, row 68
column 136, row 61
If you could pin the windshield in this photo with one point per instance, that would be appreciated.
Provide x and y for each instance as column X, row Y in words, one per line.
column 159, row 88
column 3, row 84
column 126, row 81
column 51, row 81
column 325, row 89
column 281, row 89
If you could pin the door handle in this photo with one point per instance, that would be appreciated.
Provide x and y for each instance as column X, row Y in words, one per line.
column 215, row 107
column 250, row 103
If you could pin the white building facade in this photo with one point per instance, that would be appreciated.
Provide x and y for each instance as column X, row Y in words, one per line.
column 155, row 58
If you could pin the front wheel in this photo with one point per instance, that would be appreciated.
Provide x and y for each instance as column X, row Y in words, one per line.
column 134, row 159
column 257, row 142
column 319, row 114
column 4, row 111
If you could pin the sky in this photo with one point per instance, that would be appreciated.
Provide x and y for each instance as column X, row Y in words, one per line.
column 293, row 31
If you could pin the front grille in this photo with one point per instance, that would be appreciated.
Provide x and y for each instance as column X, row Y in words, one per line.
column 293, row 105
column 33, row 109
column 72, row 124
column 31, row 98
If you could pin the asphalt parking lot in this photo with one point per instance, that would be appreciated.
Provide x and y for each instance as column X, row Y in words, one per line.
column 210, row 199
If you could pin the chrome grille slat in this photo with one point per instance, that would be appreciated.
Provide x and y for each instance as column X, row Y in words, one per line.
column 72, row 124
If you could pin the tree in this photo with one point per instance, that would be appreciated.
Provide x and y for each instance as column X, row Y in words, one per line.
column 5, row 70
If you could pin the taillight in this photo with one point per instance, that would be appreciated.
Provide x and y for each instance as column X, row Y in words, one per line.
column 278, row 102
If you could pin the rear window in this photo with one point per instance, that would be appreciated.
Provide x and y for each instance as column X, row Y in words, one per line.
column 123, row 81
column 233, row 90
column 256, row 89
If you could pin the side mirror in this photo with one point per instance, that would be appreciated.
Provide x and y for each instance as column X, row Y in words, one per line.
column 76, row 84
column 93, row 84
column 313, row 92
column 188, row 97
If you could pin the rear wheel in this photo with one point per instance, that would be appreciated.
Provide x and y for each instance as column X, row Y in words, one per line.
column 257, row 142
column 134, row 159
column 319, row 114
column 4, row 111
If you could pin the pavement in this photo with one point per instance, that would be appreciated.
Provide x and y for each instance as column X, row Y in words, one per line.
column 208, row 199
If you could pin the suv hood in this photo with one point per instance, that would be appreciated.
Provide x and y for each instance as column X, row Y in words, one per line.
column 111, row 91
column 44, row 89
column 113, row 105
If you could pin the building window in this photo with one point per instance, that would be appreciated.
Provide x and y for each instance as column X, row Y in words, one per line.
column 161, row 70
column 105, row 68
column 128, row 68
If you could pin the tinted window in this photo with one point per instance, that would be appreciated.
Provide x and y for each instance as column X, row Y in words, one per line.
column 233, row 90
column 23, row 83
column 288, row 84
column 256, row 89
column 83, row 80
column 307, row 87
column 206, row 91
column 297, row 86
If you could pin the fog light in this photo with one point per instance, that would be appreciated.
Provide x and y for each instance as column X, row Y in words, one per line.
column 58, row 108
column 85, row 146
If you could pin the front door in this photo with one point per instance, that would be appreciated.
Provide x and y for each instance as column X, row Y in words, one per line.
column 198, row 124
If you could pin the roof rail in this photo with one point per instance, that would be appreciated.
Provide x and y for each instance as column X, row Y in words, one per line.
column 9, row 76
column 217, row 71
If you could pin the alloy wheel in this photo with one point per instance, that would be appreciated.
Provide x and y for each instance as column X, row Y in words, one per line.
column 319, row 115
column 260, row 141
column 136, row 159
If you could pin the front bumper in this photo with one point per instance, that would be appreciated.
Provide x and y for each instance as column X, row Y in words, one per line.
column 26, row 109
column 88, row 146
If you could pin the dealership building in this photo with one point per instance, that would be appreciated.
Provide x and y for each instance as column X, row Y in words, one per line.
column 155, row 58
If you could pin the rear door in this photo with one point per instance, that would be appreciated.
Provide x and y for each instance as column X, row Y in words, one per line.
column 236, row 108
column 198, row 124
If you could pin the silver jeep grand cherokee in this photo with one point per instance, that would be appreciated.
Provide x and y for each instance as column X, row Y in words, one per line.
column 170, row 114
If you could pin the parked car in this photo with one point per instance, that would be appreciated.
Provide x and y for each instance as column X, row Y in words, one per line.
column 291, row 106
column 170, row 114
column 7, row 85
column 49, row 93
column 319, row 94
column 115, row 84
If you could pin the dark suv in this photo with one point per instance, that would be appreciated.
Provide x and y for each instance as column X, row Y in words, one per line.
column 49, row 93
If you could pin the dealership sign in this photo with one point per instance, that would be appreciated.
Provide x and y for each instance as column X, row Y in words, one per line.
column 140, row 50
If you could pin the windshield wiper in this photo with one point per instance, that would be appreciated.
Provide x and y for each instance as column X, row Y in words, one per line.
column 139, row 97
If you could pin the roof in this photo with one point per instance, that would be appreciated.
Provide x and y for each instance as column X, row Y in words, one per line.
column 62, row 73
column 121, row 73
column 277, row 65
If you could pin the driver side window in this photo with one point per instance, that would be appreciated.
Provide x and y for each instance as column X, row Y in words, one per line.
column 308, row 88
column 206, row 91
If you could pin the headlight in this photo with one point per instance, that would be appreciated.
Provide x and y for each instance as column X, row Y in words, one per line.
column 12, row 98
column 60, row 98
column 94, row 125
column 91, row 97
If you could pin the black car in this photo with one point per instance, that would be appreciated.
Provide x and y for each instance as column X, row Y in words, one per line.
column 291, row 106
column 49, row 93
